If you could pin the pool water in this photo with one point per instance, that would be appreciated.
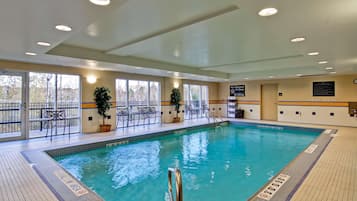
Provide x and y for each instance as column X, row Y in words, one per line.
column 228, row 163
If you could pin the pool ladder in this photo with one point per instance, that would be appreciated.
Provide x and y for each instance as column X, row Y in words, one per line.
column 217, row 119
column 178, row 180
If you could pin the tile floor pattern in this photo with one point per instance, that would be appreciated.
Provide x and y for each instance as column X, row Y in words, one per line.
column 19, row 182
column 334, row 177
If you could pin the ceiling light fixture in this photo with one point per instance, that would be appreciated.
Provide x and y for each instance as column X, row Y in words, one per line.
column 329, row 68
column 333, row 72
column 31, row 53
column 41, row 43
column 100, row 2
column 138, row 68
column 313, row 53
column 299, row 75
column 322, row 62
column 297, row 39
column 271, row 76
column 268, row 12
column 246, row 78
column 62, row 27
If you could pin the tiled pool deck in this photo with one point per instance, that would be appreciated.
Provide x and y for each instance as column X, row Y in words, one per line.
column 334, row 177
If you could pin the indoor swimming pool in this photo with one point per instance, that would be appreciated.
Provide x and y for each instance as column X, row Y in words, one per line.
column 229, row 162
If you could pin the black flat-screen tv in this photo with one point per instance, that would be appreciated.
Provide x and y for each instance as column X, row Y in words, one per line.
column 323, row 88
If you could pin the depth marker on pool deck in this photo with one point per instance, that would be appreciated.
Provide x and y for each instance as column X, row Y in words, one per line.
column 311, row 148
column 72, row 184
column 273, row 187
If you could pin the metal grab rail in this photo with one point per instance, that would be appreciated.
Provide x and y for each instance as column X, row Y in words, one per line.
column 178, row 179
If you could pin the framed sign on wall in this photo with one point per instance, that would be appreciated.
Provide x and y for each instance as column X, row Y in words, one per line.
column 323, row 88
column 237, row 90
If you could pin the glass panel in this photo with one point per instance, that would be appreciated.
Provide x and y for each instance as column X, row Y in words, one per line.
column 138, row 93
column 10, row 106
column 68, row 95
column 154, row 93
column 121, row 92
column 186, row 97
column 43, row 104
column 42, row 98
column 138, row 102
column 204, row 101
column 195, row 98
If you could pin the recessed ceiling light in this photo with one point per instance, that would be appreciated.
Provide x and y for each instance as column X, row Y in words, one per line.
column 62, row 27
column 268, row 12
column 299, row 75
column 313, row 53
column 138, row 67
column 333, row 72
column 329, row 68
column 43, row 43
column 297, row 39
column 31, row 53
column 100, row 2
column 322, row 62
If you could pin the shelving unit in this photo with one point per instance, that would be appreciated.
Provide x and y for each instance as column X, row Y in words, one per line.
column 231, row 106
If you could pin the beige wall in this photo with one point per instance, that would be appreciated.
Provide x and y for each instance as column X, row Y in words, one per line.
column 299, row 89
column 107, row 79
column 299, row 92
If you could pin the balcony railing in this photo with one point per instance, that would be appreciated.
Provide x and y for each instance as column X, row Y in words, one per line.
column 10, row 116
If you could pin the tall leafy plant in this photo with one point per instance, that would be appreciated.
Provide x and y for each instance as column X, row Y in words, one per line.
column 175, row 100
column 102, row 100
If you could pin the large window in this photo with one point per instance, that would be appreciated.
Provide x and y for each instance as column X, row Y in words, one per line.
column 138, row 102
column 54, row 104
column 138, row 93
column 196, row 101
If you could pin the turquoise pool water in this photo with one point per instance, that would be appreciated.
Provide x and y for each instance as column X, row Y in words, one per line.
column 229, row 163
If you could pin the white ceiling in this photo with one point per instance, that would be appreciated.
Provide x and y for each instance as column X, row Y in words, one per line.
column 186, row 36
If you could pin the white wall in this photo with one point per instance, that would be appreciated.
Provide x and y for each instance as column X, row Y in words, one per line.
column 340, row 117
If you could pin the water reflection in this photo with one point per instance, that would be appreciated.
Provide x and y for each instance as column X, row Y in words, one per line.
column 134, row 163
column 195, row 148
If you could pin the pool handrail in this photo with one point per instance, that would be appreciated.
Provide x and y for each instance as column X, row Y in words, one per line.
column 178, row 180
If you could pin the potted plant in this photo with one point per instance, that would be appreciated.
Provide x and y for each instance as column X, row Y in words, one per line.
column 175, row 100
column 102, row 100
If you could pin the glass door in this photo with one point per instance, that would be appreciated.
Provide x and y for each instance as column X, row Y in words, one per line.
column 54, row 104
column 12, row 106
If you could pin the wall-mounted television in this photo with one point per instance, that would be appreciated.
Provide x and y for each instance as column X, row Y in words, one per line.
column 323, row 88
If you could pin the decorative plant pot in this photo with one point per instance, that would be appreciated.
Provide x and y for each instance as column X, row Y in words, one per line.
column 105, row 127
column 176, row 120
